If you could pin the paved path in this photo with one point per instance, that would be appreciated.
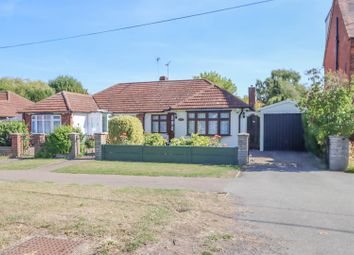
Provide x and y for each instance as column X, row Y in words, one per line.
column 300, row 208
column 44, row 174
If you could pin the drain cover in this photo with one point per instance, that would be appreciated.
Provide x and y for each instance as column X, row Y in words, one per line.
column 45, row 246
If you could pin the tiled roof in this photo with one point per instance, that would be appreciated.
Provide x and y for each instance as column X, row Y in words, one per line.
column 347, row 9
column 64, row 102
column 12, row 104
column 160, row 96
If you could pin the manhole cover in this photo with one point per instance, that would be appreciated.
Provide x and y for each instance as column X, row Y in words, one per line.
column 45, row 246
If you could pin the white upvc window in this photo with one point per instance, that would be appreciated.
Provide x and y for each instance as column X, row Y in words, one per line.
column 45, row 124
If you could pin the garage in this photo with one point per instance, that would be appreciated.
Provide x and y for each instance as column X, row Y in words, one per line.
column 283, row 132
column 280, row 127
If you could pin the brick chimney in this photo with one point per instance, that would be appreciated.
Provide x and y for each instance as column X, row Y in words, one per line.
column 252, row 96
column 163, row 78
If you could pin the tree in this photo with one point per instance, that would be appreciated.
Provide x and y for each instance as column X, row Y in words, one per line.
column 329, row 106
column 216, row 78
column 32, row 90
column 67, row 83
column 281, row 85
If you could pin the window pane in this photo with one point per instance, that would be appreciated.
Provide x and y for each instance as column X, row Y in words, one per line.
column 225, row 115
column 213, row 127
column 191, row 115
column 47, row 126
column 163, row 117
column 213, row 115
column 57, row 124
column 155, row 117
column 201, row 127
column 155, row 127
column 191, row 127
column 34, row 125
column 39, row 125
column 56, row 117
column 201, row 115
column 163, row 127
column 224, row 127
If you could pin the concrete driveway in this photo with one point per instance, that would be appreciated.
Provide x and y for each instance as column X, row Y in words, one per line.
column 296, row 206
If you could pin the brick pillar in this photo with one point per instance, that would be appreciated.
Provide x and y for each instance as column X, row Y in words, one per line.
column 242, row 155
column 100, row 139
column 338, row 154
column 17, row 145
column 75, row 145
column 37, row 140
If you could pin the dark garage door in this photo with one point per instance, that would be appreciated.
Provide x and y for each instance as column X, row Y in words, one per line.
column 283, row 132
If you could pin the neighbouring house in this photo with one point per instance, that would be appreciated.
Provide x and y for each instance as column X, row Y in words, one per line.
column 11, row 105
column 339, row 52
column 276, row 127
column 173, row 108
column 65, row 108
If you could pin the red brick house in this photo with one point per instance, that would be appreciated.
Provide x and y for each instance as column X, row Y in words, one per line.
column 339, row 52
column 11, row 105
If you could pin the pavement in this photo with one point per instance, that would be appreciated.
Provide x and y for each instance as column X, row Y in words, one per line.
column 291, row 201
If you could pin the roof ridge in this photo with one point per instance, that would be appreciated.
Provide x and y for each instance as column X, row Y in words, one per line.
column 66, row 101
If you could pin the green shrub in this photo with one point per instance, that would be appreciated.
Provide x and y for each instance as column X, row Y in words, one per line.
column 125, row 129
column 197, row 140
column 154, row 140
column 10, row 127
column 311, row 143
column 58, row 142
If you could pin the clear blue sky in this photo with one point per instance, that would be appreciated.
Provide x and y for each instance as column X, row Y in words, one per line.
column 244, row 44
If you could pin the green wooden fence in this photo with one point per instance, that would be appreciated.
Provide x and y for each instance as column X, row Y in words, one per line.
column 172, row 154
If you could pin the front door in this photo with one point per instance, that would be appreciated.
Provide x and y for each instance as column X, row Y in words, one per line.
column 171, row 125
column 253, row 128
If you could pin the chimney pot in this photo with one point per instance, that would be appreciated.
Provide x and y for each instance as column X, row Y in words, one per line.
column 163, row 78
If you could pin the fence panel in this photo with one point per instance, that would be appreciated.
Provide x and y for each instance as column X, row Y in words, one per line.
column 196, row 155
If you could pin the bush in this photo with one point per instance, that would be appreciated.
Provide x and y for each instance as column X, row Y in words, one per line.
column 311, row 143
column 58, row 142
column 154, row 140
column 10, row 127
column 125, row 129
column 197, row 140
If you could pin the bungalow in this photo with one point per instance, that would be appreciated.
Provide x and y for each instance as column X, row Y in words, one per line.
column 11, row 105
column 173, row 108
column 65, row 108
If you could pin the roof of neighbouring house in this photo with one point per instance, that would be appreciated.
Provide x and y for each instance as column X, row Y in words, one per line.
column 64, row 102
column 12, row 104
column 159, row 96
column 347, row 9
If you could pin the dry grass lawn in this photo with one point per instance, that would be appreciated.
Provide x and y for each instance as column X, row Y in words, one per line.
column 118, row 221
column 27, row 164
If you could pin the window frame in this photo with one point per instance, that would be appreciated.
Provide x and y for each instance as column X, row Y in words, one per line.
column 219, row 119
column 159, row 120
column 35, row 118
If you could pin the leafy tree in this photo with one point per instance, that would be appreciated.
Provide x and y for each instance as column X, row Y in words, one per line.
column 281, row 85
column 329, row 106
column 216, row 78
column 67, row 83
column 32, row 90
column 258, row 105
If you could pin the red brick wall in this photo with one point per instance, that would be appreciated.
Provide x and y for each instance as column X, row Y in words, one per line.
column 345, row 45
column 352, row 58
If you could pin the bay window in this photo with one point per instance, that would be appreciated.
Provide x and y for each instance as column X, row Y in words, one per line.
column 209, row 123
column 45, row 123
column 159, row 123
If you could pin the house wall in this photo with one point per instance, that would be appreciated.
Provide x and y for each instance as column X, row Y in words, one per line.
column 346, row 45
column 181, row 126
column 15, row 118
column 66, row 118
column 89, row 123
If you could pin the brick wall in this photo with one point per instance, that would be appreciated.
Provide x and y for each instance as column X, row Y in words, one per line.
column 345, row 45
column 67, row 119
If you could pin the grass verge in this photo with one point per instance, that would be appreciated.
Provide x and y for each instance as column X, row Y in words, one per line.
column 150, row 169
column 26, row 164
column 116, row 221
